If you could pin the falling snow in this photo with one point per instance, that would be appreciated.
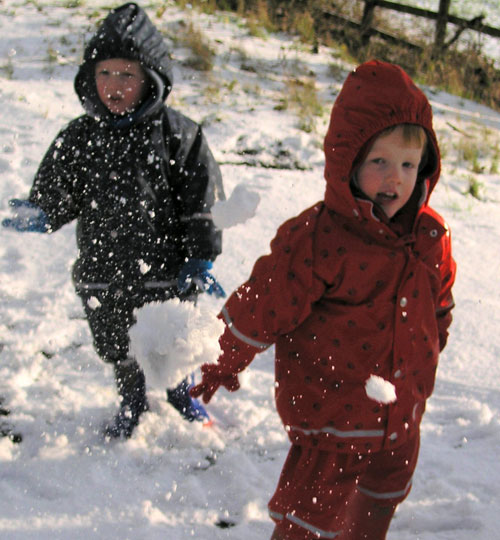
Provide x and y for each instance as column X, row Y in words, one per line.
column 174, row 479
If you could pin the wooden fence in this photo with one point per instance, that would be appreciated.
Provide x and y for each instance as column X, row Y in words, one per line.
column 442, row 18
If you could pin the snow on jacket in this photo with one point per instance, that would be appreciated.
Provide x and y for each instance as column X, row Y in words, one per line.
column 141, row 185
column 346, row 293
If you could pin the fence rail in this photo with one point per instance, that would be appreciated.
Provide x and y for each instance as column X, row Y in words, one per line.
column 474, row 24
column 442, row 18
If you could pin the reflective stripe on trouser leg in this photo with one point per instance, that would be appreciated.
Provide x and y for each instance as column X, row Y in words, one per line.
column 305, row 525
column 387, row 495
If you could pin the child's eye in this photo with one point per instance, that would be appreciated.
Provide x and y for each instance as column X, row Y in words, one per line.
column 408, row 165
column 378, row 161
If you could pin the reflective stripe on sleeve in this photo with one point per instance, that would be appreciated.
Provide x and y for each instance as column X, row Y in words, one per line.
column 198, row 215
column 239, row 335
column 92, row 286
column 160, row 284
column 147, row 285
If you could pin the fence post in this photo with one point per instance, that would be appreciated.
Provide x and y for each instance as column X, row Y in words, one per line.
column 367, row 20
column 442, row 19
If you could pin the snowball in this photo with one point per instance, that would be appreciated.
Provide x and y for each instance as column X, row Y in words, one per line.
column 240, row 207
column 172, row 339
column 380, row 390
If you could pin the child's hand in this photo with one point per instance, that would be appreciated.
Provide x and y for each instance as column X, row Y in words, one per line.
column 195, row 272
column 211, row 380
column 27, row 217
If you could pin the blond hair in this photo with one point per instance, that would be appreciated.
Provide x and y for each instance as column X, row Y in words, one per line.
column 412, row 133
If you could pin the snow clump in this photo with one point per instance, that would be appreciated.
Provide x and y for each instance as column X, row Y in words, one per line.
column 172, row 339
column 240, row 207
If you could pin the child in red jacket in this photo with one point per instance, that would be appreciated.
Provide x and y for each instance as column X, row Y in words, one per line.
column 357, row 286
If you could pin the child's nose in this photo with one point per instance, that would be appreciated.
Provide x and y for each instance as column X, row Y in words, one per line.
column 394, row 174
column 114, row 86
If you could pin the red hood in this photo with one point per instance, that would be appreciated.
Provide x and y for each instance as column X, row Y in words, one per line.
column 375, row 96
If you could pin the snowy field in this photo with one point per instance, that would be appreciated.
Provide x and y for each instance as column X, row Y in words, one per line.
column 173, row 480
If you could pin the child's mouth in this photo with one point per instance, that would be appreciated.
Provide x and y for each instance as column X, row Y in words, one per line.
column 386, row 196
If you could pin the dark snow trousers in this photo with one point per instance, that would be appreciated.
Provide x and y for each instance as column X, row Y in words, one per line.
column 343, row 496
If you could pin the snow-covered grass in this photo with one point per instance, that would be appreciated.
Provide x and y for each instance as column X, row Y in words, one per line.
column 178, row 480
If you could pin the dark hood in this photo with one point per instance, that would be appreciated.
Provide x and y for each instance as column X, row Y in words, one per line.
column 127, row 32
column 375, row 96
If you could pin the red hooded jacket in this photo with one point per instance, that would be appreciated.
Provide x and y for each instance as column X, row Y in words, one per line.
column 346, row 293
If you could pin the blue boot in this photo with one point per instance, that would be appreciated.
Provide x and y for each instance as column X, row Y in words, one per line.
column 190, row 408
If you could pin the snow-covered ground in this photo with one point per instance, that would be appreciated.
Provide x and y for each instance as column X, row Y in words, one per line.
column 177, row 480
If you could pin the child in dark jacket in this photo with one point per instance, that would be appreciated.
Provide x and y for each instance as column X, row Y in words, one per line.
column 357, row 286
column 140, row 180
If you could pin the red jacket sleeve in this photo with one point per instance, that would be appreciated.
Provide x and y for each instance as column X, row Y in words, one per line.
column 276, row 298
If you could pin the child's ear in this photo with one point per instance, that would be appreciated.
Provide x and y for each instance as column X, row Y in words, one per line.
column 424, row 158
column 354, row 180
column 428, row 162
column 356, row 191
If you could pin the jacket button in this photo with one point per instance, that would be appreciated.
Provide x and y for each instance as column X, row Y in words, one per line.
column 403, row 302
column 397, row 374
column 433, row 233
column 393, row 436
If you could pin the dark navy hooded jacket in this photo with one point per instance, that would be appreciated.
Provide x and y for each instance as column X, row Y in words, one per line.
column 141, row 185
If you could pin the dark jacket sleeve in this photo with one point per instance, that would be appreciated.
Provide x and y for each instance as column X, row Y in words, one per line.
column 53, row 188
column 196, row 183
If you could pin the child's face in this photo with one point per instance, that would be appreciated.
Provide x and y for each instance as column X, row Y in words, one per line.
column 121, row 84
column 389, row 172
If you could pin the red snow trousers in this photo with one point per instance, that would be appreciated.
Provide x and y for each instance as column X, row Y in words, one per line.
column 343, row 496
